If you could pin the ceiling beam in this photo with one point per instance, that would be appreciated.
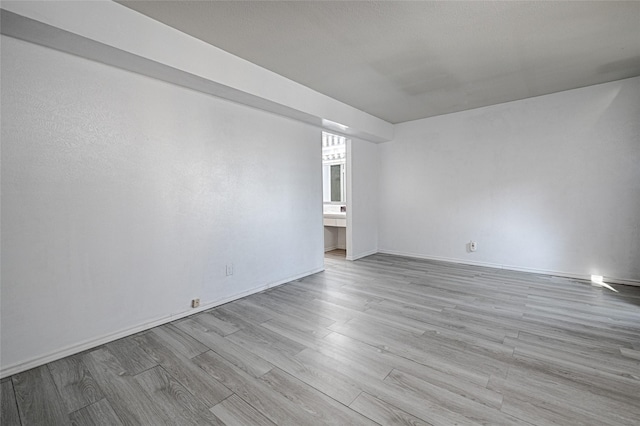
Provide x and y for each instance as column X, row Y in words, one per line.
column 110, row 33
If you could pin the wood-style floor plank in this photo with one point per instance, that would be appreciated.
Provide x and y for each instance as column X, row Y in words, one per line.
column 382, row 340
column 257, row 339
column 130, row 355
column 178, row 406
column 127, row 398
column 453, row 380
column 319, row 408
column 383, row 413
column 630, row 353
column 257, row 393
column 235, row 411
column 97, row 414
column 213, row 323
column 235, row 354
column 207, row 389
column 559, row 395
column 451, row 401
column 39, row 402
column 179, row 340
column 75, row 383
column 9, row 408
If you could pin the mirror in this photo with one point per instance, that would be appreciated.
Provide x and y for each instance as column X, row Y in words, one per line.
column 333, row 183
column 333, row 168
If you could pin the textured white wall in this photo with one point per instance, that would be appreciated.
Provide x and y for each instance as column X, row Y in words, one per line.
column 330, row 238
column 334, row 238
column 123, row 198
column 549, row 183
column 363, row 198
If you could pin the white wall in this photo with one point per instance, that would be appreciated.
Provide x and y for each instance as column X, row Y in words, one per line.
column 362, row 221
column 335, row 238
column 123, row 198
column 550, row 184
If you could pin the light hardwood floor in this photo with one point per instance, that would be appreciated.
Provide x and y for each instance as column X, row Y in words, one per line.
column 383, row 340
column 337, row 254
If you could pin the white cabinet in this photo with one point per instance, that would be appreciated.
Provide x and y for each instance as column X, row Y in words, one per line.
column 341, row 223
column 330, row 222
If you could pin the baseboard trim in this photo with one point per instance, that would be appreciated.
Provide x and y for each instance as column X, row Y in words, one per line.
column 363, row 254
column 584, row 277
column 110, row 337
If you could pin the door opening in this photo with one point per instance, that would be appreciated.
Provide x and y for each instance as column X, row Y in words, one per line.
column 335, row 208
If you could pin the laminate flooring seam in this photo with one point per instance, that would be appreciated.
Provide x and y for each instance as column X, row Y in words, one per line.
column 77, row 413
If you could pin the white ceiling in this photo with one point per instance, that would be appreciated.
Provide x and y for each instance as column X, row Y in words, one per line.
column 402, row 61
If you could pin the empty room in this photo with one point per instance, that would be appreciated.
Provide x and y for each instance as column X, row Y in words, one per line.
column 320, row 213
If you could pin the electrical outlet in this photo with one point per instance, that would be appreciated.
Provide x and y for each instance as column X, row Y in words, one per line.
column 195, row 303
column 473, row 246
column 229, row 269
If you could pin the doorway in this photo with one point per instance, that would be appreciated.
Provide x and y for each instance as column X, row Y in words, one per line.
column 335, row 195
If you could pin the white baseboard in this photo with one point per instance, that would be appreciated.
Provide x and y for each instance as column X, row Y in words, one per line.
column 585, row 277
column 363, row 254
column 110, row 337
column 326, row 249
